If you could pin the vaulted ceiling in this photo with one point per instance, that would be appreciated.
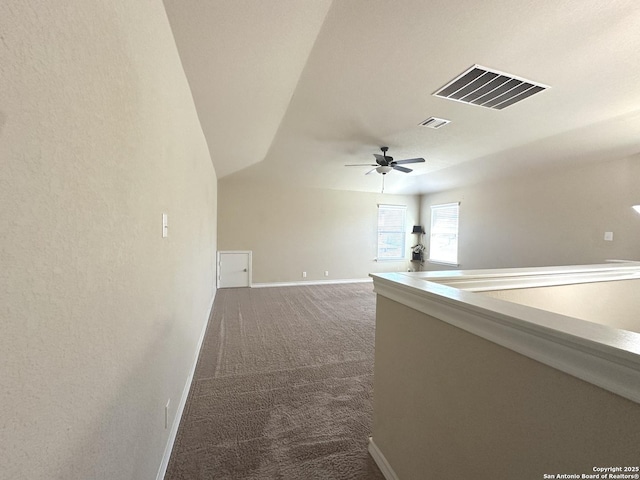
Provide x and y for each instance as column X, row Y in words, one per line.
column 292, row 90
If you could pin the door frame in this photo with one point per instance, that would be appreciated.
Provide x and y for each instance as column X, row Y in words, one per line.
column 250, row 268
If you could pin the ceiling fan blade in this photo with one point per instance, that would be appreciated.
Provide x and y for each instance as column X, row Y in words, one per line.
column 361, row 165
column 409, row 160
column 381, row 160
column 370, row 171
column 402, row 169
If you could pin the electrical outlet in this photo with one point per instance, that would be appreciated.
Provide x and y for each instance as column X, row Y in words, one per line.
column 166, row 414
column 326, row 273
column 304, row 274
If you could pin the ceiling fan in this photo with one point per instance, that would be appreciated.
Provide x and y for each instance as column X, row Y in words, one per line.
column 384, row 164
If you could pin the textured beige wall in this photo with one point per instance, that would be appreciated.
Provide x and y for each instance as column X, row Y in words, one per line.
column 99, row 316
column 558, row 218
column 609, row 303
column 293, row 230
column 457, row 406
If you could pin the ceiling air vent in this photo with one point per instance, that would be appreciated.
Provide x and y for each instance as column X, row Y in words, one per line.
column 433, row 122
column 489, row 88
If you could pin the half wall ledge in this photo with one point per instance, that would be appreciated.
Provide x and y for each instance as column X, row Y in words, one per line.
column 502, row 374
column 597, row 353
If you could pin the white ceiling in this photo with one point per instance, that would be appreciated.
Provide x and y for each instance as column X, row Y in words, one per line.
column 291, row 90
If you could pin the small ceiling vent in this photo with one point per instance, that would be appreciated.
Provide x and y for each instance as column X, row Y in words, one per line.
column 433, row 122
column 489, row 88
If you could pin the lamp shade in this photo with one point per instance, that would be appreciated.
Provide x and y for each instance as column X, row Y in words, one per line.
column 417, row 229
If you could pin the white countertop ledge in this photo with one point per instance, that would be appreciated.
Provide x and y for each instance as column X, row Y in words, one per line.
column 599, row 354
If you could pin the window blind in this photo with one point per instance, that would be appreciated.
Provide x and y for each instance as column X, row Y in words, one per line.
column 443, row 245
column 391, row 232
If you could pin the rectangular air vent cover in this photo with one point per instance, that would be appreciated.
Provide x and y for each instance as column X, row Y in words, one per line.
column 489, row 88
column 433, row 122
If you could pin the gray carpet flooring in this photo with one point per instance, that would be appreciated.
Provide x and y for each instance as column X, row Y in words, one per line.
column 283, row 387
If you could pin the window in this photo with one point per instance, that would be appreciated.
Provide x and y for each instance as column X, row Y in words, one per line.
column 391, row 232
column 443, row 245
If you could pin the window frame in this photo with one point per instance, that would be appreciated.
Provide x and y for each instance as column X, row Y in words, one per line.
column 400, row 230
column 442, row 260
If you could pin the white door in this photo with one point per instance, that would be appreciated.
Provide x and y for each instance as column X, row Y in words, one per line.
column 234, row 269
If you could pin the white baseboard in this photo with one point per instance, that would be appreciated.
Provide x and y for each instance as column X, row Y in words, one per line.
column 381, row 461
column 183, row 400
column 311, row 282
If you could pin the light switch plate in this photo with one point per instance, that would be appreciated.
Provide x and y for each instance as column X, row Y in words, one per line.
column 165, row 225
column 608, row 236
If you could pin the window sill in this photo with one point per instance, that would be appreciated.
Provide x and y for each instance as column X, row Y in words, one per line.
column 440, row 262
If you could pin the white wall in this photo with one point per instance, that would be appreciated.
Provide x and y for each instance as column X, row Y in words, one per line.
column 291, row 230
column 99, row 316
column 555, row 218
column 608, row 303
